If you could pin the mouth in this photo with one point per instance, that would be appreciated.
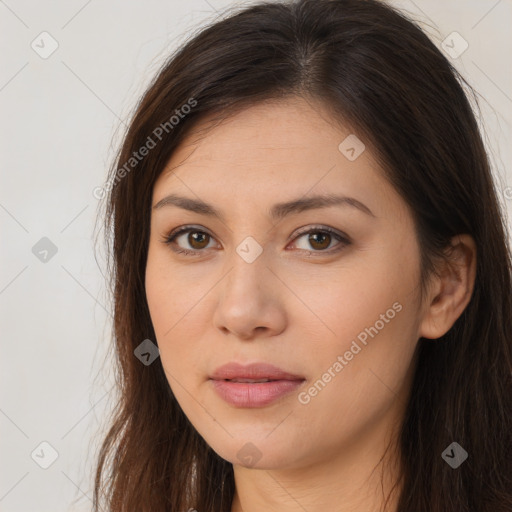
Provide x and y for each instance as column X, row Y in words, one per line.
column 254, row 385
column 250, row 381
column 252, row 373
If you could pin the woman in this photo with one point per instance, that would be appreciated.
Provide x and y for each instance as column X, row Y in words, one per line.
column 304, row 223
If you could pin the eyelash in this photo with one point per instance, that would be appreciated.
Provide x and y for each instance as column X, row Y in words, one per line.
column 169, row 239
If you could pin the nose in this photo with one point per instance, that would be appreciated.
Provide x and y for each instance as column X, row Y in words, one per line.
column 250, row 300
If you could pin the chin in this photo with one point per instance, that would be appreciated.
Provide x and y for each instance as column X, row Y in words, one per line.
column 257, row 454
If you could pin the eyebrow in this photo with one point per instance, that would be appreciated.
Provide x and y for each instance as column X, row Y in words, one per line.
column 277, row 212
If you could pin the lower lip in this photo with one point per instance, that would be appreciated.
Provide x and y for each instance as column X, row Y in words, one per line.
column 245, row 394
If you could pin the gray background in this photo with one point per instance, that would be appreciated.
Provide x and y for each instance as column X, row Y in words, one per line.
column 62, row 116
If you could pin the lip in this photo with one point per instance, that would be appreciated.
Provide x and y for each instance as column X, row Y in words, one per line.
column 252, row 371
column 244, row 394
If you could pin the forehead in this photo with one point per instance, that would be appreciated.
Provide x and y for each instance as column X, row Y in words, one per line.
column 285, row 148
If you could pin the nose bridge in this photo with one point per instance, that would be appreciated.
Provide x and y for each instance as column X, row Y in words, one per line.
column 248, row 268
column 247, row 301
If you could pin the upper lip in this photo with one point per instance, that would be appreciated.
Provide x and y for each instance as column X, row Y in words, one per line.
column 252, row 371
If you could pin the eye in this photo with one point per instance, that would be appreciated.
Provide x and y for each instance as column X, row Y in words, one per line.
column 196, row 239
column 319, row 238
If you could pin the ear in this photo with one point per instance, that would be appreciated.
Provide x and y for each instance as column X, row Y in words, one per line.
column 451, row 290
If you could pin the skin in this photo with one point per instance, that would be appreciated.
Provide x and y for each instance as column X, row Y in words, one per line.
column 299, row 305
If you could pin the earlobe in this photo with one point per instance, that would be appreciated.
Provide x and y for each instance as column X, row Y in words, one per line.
column 452, row 289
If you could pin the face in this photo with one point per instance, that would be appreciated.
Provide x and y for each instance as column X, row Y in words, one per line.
column 328, row 294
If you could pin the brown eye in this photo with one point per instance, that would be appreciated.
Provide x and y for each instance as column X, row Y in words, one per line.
column 318, row 240
column 197, row 239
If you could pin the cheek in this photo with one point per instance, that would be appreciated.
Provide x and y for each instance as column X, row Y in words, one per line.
column 177, row 308
column 167, row 293
column 364, row 356
column 359, row 300
column 355, row 384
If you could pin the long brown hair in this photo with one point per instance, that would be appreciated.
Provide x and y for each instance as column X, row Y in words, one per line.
column 381, row 75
